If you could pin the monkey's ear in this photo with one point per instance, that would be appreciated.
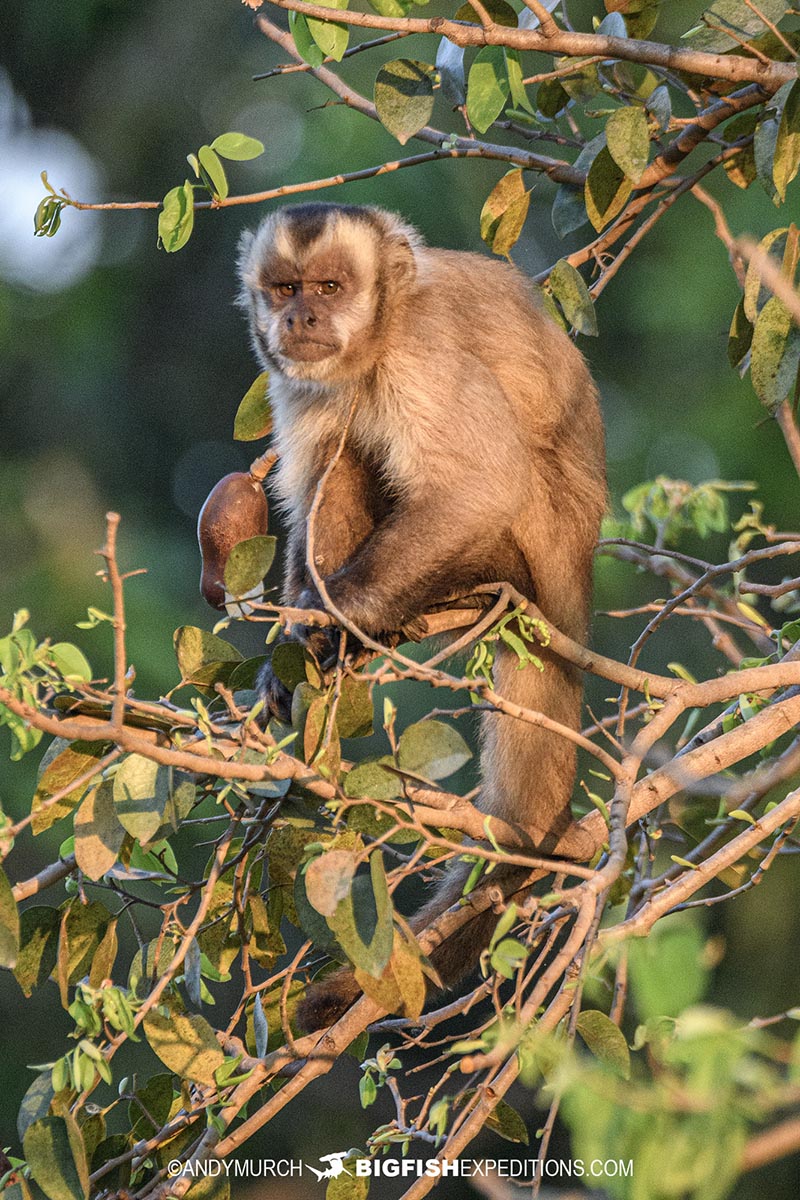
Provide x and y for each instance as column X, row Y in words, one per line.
column 403, row 263
column 400, row 261
column 398, row 248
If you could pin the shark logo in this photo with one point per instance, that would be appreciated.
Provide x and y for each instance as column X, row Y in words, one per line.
column 335, row 1166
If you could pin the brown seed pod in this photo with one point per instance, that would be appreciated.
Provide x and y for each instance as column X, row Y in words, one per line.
column 235, row 510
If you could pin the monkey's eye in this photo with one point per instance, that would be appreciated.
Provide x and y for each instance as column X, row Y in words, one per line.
column 285, row 289
column 328, row 288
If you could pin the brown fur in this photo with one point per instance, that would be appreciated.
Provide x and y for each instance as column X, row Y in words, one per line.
column 475, row 454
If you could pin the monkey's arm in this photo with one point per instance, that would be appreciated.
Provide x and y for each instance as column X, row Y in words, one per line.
column 420, row 555
column 344, row 521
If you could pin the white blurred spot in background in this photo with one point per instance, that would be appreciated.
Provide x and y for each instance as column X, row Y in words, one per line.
column 43, row 264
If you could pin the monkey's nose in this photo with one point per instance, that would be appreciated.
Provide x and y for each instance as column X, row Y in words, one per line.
column 306, row 318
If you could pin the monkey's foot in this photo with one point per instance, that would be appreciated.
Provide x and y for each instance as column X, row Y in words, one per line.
column 325, row 1002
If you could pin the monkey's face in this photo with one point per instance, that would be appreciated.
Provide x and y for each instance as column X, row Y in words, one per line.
column 305, row 313
column 316, row 279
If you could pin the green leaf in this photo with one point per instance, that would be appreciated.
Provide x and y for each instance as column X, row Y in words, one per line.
column 331, row 38
column 756, row 293
column 38, row 940
column 765, row 143
column 519, row 96
column 571, row 292
column 371, row 779
column 404, row 97
column 667, row 970
column 210, row 162
column 775, row 354
column 432, row 749
column 307, row 48
column 237, row 146
column 499, row 10
column 506, row 957
column 605, row 1040
column 354, row 716
column 105, row 956
column 141, row 790
column 348, row 1185
column 363, row 920
column 569, row 206
column 150, row 1110
column 321, row 745
column 176, row 219
column 9, row 923
column 786, row 161
column 640, row 15
column 244, row 675
column 288, row 662
column 394, row 8
column 329, row 878
column 310, row 921
column 734, row 22
column 504, row 212
column 507, row 1123
column 59, row 772
column 35, row 1103
column 582, row 83
column 248, row 563
column 487, row 87
column 551, row 99
column 98, row 832
column 220, row 940
column 741, row 166
column 148, row 965
column 628, row 141
column 607, row 190
column 740, row 335
column 197, row 650
column 83, row 927
column 70, row 661
column 253, row 418
column 55, row 1153
column 367, row 1091
column 186, row 1044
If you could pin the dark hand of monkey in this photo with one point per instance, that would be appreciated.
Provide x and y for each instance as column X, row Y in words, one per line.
column 275, row 694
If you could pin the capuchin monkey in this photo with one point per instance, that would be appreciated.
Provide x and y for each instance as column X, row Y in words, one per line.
column 474, row 454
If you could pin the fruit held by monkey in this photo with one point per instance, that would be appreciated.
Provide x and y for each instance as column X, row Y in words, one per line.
column 235, row 510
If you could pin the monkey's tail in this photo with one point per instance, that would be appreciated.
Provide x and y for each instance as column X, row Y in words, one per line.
column 528, row 769
column 528, row 772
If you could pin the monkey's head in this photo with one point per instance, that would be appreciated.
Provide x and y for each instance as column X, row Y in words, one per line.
column 321, row 283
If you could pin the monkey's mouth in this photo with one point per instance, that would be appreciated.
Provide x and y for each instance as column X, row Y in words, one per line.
column 307, row 349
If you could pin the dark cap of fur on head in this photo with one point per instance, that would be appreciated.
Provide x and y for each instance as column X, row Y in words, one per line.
column 292, row 231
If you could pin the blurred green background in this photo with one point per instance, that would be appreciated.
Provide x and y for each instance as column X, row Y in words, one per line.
column 121, row 369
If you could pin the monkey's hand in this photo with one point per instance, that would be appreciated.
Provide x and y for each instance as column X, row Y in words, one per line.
column 322, row 644
column 325, row 644
column 275, row 694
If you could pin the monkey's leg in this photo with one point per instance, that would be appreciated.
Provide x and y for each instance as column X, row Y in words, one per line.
column 453, row 957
